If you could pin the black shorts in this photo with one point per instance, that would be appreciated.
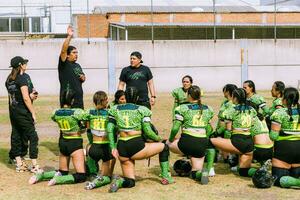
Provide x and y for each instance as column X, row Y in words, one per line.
column 192, row 146
column 287, row 151
column 100, row 151
column 244, row 143
column 130, row 147
column 68, row 146
column 262, row 154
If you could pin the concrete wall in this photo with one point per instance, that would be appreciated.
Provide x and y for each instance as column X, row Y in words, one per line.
column 212, row 65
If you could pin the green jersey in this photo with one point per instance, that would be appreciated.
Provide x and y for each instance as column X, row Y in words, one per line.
column 277, row 103
column 98, row 119
column 129, row 117
column 192, row 118
column 242, row 117
column 226, row 104
column 68, row 119
column 259, row 127
column 180, row 96
column 259, row 104
column 290, row 127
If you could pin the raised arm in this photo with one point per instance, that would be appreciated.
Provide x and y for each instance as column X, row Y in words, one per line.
column 63, row 53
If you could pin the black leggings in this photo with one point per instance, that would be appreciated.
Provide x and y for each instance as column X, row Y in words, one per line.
column 23, row 131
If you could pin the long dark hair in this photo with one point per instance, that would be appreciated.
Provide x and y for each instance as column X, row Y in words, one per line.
column 14, row 73
column 99, row 97
column 241, row 96
column 251, row 85
column 291, row 95
column 195, row 92
column 118, row 95
column 67, row 97
column 229, row 88
column 131, row 95
column 279, row 86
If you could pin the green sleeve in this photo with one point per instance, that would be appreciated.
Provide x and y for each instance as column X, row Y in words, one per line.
column 209, row 130
column 53, row 115
column 274, row 135
column 110, row 133
column 277, row 116
column 175, row 128
column 147, row 130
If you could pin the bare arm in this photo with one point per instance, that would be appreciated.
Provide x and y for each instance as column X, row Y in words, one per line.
column 27, row 100
column 121, row 85
column 63, row 53
column 152, row 92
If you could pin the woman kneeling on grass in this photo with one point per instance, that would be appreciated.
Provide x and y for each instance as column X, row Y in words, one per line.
column 99, row 149
column 194, row 118
column 237, row 137
column 130, row 120
column 285, row 131
column 70, row 145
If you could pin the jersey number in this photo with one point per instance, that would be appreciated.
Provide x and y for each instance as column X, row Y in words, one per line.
column 126, row 120
column 64, row 125
column 198, row 120
column 245, row 120
column 99, row 124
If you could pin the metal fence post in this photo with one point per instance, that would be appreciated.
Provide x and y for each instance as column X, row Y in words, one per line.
column 111, row 61
column 244, row 60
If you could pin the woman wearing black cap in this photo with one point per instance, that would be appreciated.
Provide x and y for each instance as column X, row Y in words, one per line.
column 139, row 76
column 22, row 114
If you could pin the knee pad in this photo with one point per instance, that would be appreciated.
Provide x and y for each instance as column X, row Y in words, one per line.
column 79, row 177
column 128, row 182
column 164, row 154
column 295, row 172
column 63, row 173
column 244, row 172
column 278, row 173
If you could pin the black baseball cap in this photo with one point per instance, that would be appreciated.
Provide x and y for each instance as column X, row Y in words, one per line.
column 17, row 61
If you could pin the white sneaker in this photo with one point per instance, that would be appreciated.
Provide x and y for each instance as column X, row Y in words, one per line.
column 234, row 169
column 211, row 172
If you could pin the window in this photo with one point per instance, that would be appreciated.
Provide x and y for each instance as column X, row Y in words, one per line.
column 36, row 24
column 4, row 24
column 16, row 25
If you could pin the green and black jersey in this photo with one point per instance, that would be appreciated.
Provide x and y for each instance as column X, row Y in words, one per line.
column 68, row 120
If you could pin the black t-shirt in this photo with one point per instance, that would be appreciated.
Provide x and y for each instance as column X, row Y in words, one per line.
column 137, row 77
column 14, row 90
column 69, row 73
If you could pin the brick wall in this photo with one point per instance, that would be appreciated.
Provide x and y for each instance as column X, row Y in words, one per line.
column 99, row 24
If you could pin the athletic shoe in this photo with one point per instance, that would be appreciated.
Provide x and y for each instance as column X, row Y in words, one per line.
column 116, row 184
column 234, row 169
column 52, row 182
column 204, row 178
column 89, row 185
column 211, row 172
column 36, row 169
column 22, row 168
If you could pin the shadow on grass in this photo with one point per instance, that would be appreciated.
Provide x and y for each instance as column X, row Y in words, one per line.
column 52, row 146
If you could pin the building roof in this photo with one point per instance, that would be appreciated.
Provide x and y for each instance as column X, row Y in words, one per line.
column 130, row 24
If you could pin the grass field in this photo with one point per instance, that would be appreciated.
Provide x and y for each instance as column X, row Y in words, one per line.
column 225, row 185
